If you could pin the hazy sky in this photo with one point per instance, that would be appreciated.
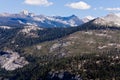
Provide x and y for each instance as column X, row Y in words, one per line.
column 80, row 8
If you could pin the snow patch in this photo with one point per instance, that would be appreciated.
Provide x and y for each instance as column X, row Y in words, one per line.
column 5, row 27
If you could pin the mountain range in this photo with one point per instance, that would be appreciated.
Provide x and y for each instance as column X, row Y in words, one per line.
column 112, row 19
column 38, row 47
column 16, row 29
column 26, row 18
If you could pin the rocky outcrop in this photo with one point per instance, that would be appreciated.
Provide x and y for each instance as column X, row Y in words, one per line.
column 10, row 60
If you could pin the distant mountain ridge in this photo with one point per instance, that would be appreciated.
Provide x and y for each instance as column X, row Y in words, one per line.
column 112, row 19
column 25, row 18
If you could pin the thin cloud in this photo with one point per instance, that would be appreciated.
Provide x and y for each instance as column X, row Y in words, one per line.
column 79, row 5
column 113, row 9
column 100, row 8
column 38, row 2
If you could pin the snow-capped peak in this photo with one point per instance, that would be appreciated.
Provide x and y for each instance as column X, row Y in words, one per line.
column 87, row 19
column 111, row 19
column 57, row 21
column 25, row 12
column 90, row 17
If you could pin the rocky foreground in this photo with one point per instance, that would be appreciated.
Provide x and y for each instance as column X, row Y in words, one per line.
column 10, row 60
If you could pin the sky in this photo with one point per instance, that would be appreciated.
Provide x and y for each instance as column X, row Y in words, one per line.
column 81, row 8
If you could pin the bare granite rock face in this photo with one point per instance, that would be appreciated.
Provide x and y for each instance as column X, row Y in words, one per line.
column 58, row 45
column 12, row 60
